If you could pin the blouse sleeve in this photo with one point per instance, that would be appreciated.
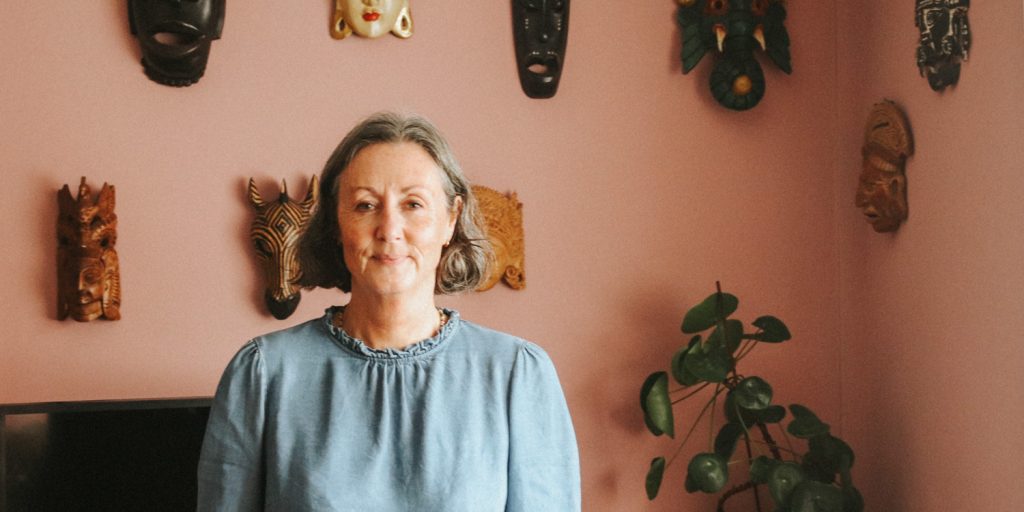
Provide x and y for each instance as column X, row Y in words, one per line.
column 231, row 462
column 543, row 465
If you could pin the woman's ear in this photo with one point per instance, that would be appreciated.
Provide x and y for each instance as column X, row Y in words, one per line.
column 453, row 216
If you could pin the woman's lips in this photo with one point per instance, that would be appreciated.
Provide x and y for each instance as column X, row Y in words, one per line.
column 388, row 259
column 371, row 16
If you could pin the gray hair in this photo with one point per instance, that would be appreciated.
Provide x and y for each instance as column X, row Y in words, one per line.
column 463, row 262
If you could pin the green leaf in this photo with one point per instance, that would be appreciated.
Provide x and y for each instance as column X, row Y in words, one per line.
column 732, row 336
column 753, row 393
column 784, row 478
column 656, row 405
column 772, row 414
column 654, row 476
column 734, row 413
column 706, row 314
column 852, row 500
column 679, row 371
column 805, row 424
column 827, row 455
column 690, row 485
column 709, row 472
column 725, row 441
column 761, row 469
column 772, row 330
column 710, row 362
column 812, row 496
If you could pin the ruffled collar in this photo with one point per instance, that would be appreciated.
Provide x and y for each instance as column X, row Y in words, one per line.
column 420, row 348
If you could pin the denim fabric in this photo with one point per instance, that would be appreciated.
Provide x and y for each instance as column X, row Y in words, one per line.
column 308, row 418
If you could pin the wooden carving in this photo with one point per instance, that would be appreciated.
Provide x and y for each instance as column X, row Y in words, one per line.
column 882, row 190
column 275, row 233
column 88, row 280
column 503, row 220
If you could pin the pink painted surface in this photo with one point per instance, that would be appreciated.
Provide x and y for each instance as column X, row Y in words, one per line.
column 639, row 193
column 931, row 322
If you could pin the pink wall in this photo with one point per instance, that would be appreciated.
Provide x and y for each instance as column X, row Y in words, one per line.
column 931, row 318
column 639, row 193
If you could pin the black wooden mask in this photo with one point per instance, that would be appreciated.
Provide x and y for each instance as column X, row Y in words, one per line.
column 540, row 28
column 945, row 40
column 175, row 37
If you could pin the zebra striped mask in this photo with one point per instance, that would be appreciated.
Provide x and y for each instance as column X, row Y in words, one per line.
column 275, row 233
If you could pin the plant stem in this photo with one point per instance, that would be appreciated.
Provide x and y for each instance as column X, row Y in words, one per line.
column 750, row 457
column 736, row 490
column 688, row 433
column 772, row 445
column 694, row 392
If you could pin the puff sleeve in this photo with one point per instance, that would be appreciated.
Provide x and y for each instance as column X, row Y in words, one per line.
column 231, row 462
column 543, row 463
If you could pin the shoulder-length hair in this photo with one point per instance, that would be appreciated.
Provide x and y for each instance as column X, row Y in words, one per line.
column 464, row 260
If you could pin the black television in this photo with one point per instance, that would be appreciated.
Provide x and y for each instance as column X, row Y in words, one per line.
column 121, row 455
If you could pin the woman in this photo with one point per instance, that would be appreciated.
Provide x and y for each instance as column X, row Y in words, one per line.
column 390, row 403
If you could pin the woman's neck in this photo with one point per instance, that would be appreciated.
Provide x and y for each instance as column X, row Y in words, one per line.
column 390, row 322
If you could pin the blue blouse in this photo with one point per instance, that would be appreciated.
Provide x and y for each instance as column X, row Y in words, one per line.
column 309, row 418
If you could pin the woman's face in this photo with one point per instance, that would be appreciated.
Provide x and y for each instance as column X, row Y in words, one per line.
column 394, row 219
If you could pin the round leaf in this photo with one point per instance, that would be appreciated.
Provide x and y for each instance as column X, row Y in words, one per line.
column 736, row 414
column 772, row 414
column 761, row 469
column 709, row 472
column 679, row 371
column 772, row 330
column 830, row 454
column 805, row 424
column 656, row 405
column 707, row 313
column 654, row 475
column 784, row 478
column 729, row 334
column 725, row 441
column 811, row 496
column 711, row 363
column 753, row 393
column 852, row 500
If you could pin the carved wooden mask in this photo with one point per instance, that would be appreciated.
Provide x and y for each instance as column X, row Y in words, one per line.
column 275, row 233
column 735, row 29
column 882, row 188
column 503, row 220
column 371, row 18
column 88, row 280
column 540, row 29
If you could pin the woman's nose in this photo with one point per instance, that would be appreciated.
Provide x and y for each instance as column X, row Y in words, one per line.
column 391, row 225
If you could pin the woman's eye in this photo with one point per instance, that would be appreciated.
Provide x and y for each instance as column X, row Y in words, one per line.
column 364, row 207
column 414, row 204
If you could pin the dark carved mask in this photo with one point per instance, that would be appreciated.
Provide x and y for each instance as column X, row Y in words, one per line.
column 175, row 37
column 735, row 29
column 275, row 232
column 540, row 29
column 88, row 282
column 882, row 187
column 945, row 40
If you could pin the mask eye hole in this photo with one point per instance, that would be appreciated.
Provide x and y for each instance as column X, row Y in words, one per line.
column 174, row 39
column 759, row 7
column 717, row 7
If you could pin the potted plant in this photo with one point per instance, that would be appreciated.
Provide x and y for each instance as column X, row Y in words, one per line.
column 809, row 475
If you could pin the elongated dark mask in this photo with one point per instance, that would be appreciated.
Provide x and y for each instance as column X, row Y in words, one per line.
column 945, row 40
column 175, row 37
column 540, row 29
column 275, row 233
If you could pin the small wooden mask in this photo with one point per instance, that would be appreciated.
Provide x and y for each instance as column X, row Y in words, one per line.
column 371, row 18
column 882, row 188
column 540, row 29
column 88, row 279
column 275, row 233
column 945, row 40
column 503, row 219
column 736, row 29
